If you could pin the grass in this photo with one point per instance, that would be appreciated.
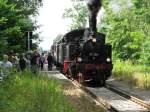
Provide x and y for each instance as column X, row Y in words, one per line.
column 135, row 75
column 28, row 93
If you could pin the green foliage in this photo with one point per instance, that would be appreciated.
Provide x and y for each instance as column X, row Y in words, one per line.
column 15, row 21
column 29, row 93
column 128, row 30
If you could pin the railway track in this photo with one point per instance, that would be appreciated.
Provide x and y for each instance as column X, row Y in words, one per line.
column 129, row 96
column 114, row 100
column 95, row 98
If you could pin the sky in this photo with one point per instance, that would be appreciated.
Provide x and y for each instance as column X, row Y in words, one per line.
column 51, row 21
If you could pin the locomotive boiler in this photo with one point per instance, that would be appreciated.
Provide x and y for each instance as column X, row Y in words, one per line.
column 82, row 54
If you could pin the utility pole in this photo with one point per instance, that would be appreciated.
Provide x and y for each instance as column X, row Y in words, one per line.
column 28, row 46
column 29, row 40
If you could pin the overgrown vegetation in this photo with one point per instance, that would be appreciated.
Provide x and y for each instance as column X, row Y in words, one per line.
column 134, row 75
column 29, row 93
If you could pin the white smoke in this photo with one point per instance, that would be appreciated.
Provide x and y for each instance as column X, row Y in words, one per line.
column 129, row 3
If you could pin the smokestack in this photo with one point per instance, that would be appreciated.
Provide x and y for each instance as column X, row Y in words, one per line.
column 93, row 6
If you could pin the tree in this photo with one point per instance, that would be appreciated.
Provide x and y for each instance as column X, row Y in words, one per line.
column 143, row 12
column 78, row 14
column 128, row 32
column 15, row 21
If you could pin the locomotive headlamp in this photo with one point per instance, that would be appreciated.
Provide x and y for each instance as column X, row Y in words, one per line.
column 94, row 40
column 79, row 59
column 108, row 60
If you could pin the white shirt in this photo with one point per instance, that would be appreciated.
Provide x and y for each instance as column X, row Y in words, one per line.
column 7, row 64
column 5, row 68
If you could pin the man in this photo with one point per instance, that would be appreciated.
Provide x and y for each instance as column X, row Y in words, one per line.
column 35, row 62
column 50, row 61
column 42, row 61
column 22, row 62
column 5, row 66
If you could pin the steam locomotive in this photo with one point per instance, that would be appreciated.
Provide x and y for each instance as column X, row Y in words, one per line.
column 82, row 54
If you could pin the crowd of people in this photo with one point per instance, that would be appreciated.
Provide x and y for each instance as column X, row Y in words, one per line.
column 32, row 61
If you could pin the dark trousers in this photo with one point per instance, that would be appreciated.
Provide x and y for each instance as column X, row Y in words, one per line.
column 42, row 66
column 49, row 66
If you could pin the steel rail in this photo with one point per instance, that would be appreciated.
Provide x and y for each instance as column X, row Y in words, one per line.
column 128, row 95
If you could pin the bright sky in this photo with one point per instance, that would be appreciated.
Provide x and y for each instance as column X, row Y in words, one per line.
column 50, row 17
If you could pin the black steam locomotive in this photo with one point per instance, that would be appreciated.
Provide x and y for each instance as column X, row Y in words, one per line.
column 82, row 54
